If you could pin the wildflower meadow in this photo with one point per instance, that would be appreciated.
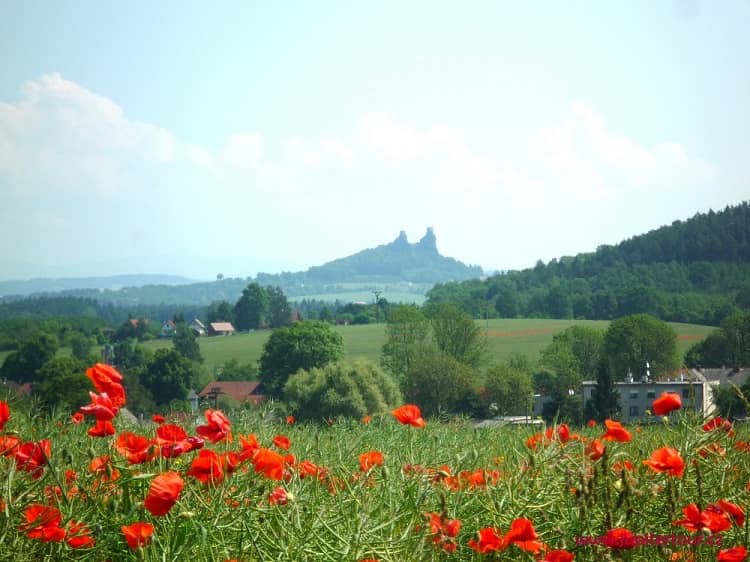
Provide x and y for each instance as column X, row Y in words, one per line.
column 247, row 486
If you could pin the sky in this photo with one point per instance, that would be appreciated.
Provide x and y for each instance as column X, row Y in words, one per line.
column 197, row 138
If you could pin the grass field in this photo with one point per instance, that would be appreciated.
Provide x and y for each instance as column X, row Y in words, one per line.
column 505, row 336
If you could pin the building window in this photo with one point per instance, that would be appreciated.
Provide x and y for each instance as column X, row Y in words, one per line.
column 633, row 395
column 685, row 393
column 651, row 394
column 634, row 412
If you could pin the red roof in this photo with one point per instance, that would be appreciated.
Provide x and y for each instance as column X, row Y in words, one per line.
column 221, row 326
column 242, row 391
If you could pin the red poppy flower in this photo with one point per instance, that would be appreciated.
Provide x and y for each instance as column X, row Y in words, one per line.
column 558, row 556
column 279, row 496
column 561, row 433
column 666, row 460
column 106, row 378
column 250, row 446
column 736, row 554
column 136, row 448
column 615, row 432
column 489, row 541
column 9, row 445
column 619, row 538
column 366, row 420
column 290, row 420
column 138, row 534
column 718, row 423
column 43, row 523
column 733, row 510
column 164, row 492
column 523, row 535
column 4, row 414
column 282, row 442
column 206, row 467
column 172, row 440
column 443, row 531
column 32, row 457
column 370, row 459
column 591, row 423
column 101, row 407
column 217, row 429
column 79, row 535
column 269, row 463
column 696, row 520
column 667, row 402
column 307, row 468
column 535, row 440
column 102, row 428
column 594, row 450
column 77, row 418
column 102, row 467
column 158, row 418
column 409, row 414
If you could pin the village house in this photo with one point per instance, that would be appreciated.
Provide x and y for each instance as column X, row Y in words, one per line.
column 240, row 391
column 220, row 329
column 198, row 327
column 167, row 329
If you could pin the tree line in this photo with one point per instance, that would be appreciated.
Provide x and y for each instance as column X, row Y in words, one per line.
column 695, row 271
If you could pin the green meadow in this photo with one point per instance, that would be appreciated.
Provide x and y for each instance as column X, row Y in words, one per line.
column 504, row 337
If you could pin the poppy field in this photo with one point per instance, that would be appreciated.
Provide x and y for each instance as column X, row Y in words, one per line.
column 249, row 486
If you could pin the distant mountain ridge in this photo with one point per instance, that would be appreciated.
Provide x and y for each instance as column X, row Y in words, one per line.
column 402, row 267
column 111, row 282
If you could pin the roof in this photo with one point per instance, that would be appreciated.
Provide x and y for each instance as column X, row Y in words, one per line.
column 738, row 376
column 221, row 326
column 198, row 323
column 241, row 391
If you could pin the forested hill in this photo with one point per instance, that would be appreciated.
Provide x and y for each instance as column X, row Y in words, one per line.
column 696, row 270
column 398, row 261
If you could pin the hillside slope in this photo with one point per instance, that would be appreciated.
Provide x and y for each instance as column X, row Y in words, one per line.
column 695, row 271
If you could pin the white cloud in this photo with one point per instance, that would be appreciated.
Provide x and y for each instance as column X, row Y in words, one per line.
column 464, row 167
column 336, row 148
column 61, row 134
column 244, row 150
column 582, row 148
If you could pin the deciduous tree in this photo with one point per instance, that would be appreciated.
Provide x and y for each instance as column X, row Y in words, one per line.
column 303, row 345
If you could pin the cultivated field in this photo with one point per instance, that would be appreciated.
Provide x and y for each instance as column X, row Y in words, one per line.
column 351, row 492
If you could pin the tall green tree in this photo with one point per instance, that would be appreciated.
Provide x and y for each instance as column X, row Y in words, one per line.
column 220, row 311
column 456, row 334
column 33, row 352
column 62, row 382
column 170, row 376
column 186, row 342
column 507, row 391
column 632, row 341
column 439, row 383
column 406, row 332
column 605, row 399
column 303, row 345
column 279, row 311
column 577, row 349
column 251, row 308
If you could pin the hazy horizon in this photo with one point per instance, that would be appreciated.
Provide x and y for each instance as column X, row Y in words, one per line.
column 186, row 139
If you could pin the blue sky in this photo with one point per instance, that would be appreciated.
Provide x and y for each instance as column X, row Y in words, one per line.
column 179, row 137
